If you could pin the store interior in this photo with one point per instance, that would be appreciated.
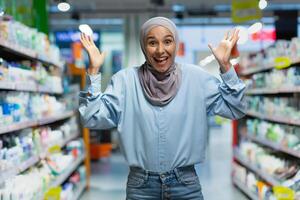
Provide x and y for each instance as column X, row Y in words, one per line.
column 46, row 153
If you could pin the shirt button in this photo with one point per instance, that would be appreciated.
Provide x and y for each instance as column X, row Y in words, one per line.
column 162, row 176
column 160, row 109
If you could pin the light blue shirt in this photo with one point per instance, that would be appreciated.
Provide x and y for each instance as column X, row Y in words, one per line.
column 161, row 138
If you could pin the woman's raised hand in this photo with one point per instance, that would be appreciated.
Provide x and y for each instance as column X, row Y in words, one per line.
column 95, row 56
column 226, row 49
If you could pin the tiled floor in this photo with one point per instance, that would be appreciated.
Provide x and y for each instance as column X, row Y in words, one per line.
column 109, row 176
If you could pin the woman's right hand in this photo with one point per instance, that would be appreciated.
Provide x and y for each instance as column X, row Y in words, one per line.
column 95, row 56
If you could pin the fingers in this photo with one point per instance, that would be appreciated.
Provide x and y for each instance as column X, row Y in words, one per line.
column 226, row 35
column 236, row 37
column 211, row 48
column 86, row 40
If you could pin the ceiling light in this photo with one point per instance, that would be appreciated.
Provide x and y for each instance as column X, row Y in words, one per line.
column 86, row 29
column 256, row 27
column 63, row 6
column 262, row 4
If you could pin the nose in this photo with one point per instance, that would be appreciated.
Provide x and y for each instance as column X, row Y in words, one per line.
column 160, row 48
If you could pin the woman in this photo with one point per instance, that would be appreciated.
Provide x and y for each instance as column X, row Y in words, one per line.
column 160, row 110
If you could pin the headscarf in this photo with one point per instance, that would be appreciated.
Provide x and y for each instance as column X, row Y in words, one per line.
column 159, row 88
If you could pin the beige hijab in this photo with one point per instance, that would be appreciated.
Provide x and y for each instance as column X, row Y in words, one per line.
column 159, row 88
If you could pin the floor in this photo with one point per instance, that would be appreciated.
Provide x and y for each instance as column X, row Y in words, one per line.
column 109, row 176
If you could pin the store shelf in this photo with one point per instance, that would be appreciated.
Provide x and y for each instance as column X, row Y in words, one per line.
column 28, row 124
column 17, row 126
column 68, row 139
column 51, row 119
column 79, row 190
column 19, row 169
column 273, row 91
column 12, row 52
column 274, row 146
column 278, row 119
column 253, row 70
column 61, row 178
column 244, row 189
column 30, row 87
column 256, row 170
column 33, row 160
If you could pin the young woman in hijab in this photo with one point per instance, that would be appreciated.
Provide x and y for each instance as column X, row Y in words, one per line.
column 160, row 110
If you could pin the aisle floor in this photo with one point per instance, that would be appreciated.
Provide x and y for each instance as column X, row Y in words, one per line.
column 109, row 175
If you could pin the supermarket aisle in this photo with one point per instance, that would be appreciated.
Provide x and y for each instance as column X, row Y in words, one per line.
column 108, row 179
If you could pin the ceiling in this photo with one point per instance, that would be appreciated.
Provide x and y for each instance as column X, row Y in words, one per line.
column 101, row 9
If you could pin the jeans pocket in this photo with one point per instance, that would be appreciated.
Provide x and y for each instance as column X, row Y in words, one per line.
column 135, row 181
column 189, row 178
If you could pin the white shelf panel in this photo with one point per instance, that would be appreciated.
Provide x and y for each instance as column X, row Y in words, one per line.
column 273, row 91
column 30, row 87
column 256, row 170
column 7, row 85
column 28, row 124
column 253, row 70
column 17, row 126
column 51, row 119
column 26, row 53
column 61, row 178
column 79, row 190
column 278, row 119
column 274, row 146
column 244, row 189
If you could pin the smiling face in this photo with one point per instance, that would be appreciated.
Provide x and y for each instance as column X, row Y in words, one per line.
column 160, row 48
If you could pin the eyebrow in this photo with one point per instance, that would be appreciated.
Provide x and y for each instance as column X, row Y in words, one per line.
column 152, row 37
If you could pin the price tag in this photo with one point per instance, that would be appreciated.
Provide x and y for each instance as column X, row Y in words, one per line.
column 282, row 192
column 54, row 149
column 282, row 62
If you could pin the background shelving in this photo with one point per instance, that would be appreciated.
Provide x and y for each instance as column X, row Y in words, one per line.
column 271, row 114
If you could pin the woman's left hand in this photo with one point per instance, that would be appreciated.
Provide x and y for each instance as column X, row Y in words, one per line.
column 226, row 49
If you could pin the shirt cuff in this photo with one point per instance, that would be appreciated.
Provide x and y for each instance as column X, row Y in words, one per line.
column 93, row 83
column 230, row 77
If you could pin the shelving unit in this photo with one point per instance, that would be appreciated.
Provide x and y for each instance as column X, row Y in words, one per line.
column 264, row 175
column 244, row 189
column 35, row 159
column 272, row 118
column 273, row 146
column 252, row 70
column 239, row 129
column 27, row 87
column 34, row 123
column 14, row 52
column 61, row 178
column 79, row 191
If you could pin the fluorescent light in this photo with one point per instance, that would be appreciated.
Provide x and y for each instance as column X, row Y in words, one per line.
column 262, row 4
column 63, row 6
column 255, row 27
column 86, row 29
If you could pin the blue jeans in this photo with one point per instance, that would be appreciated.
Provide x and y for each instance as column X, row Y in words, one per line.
column 178, row 184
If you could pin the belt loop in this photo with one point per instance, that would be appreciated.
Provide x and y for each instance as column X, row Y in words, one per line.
column 177, row 173
column 146, row 175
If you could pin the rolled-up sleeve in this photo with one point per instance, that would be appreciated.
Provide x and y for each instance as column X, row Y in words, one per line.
column 225, row 98
column 101, row 110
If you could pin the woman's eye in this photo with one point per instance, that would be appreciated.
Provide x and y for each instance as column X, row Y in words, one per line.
column 168, row 42
column 151, row 43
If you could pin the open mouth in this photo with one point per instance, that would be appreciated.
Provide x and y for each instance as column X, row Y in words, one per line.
column 161, row 60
